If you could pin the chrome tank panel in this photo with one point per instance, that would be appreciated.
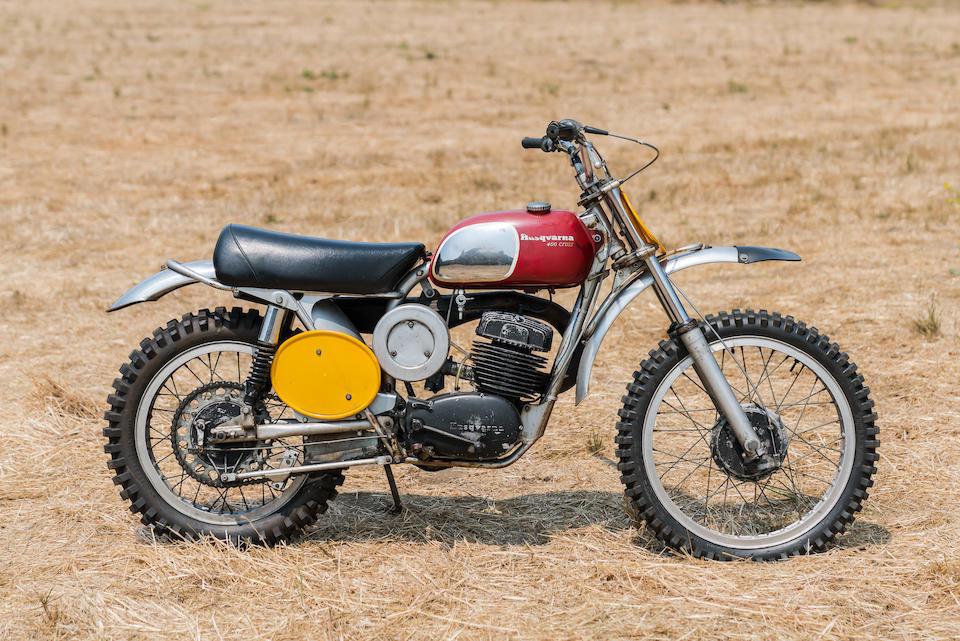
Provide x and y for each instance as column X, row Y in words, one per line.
column 481, row 253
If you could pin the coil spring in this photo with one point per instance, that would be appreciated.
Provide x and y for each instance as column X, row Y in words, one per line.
column 258, row 380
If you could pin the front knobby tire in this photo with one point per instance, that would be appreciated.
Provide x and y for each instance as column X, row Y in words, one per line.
column 673, row 520
column 270, row 526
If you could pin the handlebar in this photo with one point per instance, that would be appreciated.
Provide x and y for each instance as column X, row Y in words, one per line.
column 567, row 135
column 566, row 130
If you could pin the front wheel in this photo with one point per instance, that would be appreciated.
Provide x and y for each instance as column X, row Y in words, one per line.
column 685, row 474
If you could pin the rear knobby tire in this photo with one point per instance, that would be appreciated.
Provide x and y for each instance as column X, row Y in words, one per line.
column 637, row 402
column 206, row 326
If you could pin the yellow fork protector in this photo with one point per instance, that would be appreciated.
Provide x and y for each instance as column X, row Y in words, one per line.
column 325, row 375
column 641, row 226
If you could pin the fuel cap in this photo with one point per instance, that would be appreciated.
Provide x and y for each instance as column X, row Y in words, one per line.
column 538, row 207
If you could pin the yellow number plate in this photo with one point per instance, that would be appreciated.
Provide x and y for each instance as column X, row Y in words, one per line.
column 325, row 375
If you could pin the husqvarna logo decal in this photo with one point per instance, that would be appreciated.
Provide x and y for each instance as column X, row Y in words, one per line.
column 550, row 240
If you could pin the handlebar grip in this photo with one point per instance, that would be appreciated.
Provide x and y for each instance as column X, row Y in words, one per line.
column 532, row 143
column 543, row 143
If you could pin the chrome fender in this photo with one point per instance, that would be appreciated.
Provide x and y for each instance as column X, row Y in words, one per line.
column 612, row 307
column 162, row 283
column 315, row 312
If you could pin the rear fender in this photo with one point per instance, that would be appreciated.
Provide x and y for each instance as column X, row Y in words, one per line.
column 314, row 311
column 162, row 283
column 612, row 307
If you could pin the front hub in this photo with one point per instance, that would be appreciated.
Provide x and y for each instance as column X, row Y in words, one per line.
column 731, row 457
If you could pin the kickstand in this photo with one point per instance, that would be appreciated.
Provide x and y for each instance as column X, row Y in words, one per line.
column 397, row 506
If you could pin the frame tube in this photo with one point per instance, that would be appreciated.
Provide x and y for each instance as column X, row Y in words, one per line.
column 282, row 472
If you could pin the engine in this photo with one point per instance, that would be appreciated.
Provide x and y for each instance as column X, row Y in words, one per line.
column 505, row 364
column 484, row 425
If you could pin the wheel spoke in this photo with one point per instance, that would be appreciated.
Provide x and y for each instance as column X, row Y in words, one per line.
column 816, row 452
column 697, row 463
column 743, row 360
column 810, row 404
column 215, row 369
column 819, row 448
column 190, row 369
column 765, row 375
column 706, row 500
column 795, row 473
column 689, row 411
column 172, row 392
column 676, row 486
column 244, row 498
column 700, row 427
column 816, row 427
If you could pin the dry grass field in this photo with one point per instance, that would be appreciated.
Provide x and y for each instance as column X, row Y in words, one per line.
column 131, row 132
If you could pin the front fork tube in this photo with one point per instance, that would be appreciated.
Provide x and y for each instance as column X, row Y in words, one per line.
column 706, row 366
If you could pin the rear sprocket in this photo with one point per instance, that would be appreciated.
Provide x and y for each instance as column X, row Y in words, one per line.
column 206, row 461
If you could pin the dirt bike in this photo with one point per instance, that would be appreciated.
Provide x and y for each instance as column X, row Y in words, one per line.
column 742, row 434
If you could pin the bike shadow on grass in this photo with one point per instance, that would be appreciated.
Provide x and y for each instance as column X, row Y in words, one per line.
column 529, row 519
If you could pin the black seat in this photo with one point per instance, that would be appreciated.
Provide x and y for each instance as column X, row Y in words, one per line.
column 251, row 257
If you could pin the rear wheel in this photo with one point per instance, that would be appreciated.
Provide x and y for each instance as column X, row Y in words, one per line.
column 686, row 475
column 190, row 375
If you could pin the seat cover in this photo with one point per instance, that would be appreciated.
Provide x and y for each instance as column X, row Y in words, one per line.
column 252, row 257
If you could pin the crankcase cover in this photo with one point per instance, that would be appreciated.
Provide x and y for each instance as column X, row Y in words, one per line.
column 411, row 342
column 325, row 375
column 470, row 426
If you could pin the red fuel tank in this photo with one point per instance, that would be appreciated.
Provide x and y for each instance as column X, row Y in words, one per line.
column 514, row 249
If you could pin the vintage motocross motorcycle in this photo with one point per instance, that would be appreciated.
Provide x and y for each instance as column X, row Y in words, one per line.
column 744, row 434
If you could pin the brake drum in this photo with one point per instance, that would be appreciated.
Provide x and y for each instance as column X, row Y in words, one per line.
column 325, row 375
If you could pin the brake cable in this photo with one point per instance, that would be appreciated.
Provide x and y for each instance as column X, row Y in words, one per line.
column 603, row 132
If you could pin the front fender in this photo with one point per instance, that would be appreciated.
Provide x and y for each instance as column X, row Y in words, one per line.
column 611, row 309
column 161, row 284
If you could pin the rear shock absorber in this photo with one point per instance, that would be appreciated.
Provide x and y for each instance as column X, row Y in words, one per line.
column 258, row 380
